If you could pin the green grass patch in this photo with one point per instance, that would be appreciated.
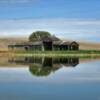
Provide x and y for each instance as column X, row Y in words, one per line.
column 59, row 52
column 80, row 53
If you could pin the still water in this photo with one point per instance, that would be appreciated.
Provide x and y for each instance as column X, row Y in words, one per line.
column 31, row 78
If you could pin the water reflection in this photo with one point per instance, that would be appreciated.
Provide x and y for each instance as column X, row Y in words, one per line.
column 44, row 66
column 70, row 81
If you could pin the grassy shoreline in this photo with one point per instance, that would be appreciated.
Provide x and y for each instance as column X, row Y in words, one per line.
column 80, row 53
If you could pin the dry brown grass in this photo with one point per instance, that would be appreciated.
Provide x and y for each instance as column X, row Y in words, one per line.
column 4, row 42
column 89, row 46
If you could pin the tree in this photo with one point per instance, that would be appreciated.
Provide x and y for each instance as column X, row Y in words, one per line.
column 35, row 36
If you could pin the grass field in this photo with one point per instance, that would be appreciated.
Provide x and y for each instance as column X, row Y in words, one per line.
column 80, row 53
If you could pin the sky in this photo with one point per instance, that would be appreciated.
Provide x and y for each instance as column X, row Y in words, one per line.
column 67, row 19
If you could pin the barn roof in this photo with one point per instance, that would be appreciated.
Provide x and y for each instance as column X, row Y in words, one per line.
column 50, row 38
column 74, row 43
column 65, row 43
column 27, row 43
column 57, row 42
column 69, row 43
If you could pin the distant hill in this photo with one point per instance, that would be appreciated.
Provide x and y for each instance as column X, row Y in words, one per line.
column 4, row 42
column 89, row 46
column 83, row 45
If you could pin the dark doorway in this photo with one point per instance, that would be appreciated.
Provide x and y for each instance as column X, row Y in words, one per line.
column 47, row 46
column 64, row 47
column 26, row 48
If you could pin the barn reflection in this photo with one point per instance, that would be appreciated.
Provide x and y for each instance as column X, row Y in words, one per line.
column 44, row 66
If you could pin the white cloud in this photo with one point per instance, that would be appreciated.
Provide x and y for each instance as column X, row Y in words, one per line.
column 65, row 28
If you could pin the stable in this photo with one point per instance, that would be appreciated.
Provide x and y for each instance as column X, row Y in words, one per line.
column 47, row 43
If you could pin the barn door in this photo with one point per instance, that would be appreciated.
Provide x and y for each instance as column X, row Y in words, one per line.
column 47, row 46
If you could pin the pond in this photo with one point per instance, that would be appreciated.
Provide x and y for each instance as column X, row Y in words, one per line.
column 47, row 78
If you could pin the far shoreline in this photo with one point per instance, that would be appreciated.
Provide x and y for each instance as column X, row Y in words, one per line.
column 80, row 53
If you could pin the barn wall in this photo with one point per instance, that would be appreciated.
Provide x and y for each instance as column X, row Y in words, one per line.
column 56, row 47
column 44, row 47
column 36, row 48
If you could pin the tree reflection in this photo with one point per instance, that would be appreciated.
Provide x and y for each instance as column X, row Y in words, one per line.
column 46, row 65
column 40, row 71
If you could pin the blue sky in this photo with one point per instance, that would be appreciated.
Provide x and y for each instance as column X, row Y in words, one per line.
column 68, row 19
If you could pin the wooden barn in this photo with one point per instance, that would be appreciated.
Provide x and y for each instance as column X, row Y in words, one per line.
column 48, row 43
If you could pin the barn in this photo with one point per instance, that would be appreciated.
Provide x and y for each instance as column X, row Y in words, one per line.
column 48, row 43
